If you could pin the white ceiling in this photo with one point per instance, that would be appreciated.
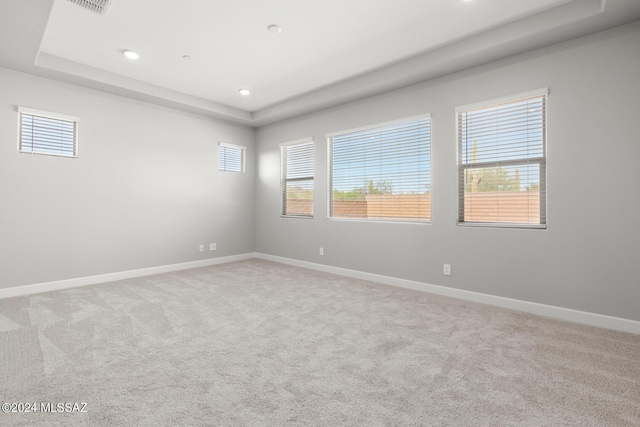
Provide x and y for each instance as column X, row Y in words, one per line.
column 328, row 52
column 322, row 41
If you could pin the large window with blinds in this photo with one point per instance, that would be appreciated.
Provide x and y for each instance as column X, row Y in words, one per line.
column 382, row 172
column 297, row 178
column 231, row 157
column 43, row 132
column 502, row 162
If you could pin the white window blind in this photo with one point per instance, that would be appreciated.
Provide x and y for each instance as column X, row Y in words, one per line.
column 43, row 132
column 231, row 158
column 502, row 162
column 297, row 178
column 382, row 172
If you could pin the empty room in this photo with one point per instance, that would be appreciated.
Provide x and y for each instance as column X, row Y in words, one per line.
column 329, row 213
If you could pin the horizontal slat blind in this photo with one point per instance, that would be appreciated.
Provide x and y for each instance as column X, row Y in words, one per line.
column 502, row 163
column 297, row 178
column 231, row 158
column 48, row 135
column 382, row 172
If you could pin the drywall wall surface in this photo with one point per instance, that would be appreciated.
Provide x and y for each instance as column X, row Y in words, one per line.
column 587, row 258
column 144, row 191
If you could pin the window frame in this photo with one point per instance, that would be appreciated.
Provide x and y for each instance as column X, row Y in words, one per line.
column 243, row 156
column 48, row 115
column 380, row 125
column 541, row 161
column 284, row 180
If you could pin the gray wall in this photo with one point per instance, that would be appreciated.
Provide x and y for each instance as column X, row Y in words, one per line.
column 587, row 259
column 145, row 190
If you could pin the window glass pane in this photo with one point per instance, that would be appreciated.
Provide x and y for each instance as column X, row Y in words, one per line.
column 508, row 194
column 46, row 135
column 502, row 158
column 297, row 179
column 299, row 198
column 504, row 132
column 231, row 159
column 383, row 172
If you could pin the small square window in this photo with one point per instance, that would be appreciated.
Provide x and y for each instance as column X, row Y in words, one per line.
column 231, row 157
column 43, row 132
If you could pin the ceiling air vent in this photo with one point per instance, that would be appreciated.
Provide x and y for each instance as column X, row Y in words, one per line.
column 101, row 7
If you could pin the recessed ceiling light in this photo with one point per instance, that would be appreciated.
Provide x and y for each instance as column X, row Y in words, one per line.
column 130, row 54
column 273, row 28
column 245, row 92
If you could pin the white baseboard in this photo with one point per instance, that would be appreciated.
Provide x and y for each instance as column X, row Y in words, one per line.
column 570, row 315
column 111, row 277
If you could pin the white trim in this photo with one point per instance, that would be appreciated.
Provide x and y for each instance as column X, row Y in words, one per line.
column 567, row 314
column 503, row 100
column 380, row 125
column 111, row 277
column 523, row 226
column 49, row 114
column 226, row 144
column 300, row 141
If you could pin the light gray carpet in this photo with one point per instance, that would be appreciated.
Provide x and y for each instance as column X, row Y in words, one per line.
column 256, row 343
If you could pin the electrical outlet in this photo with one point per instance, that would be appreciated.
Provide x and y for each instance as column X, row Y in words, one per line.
column 201, row 248
column 212, row 246
column 321, row 251
column 446, row 270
